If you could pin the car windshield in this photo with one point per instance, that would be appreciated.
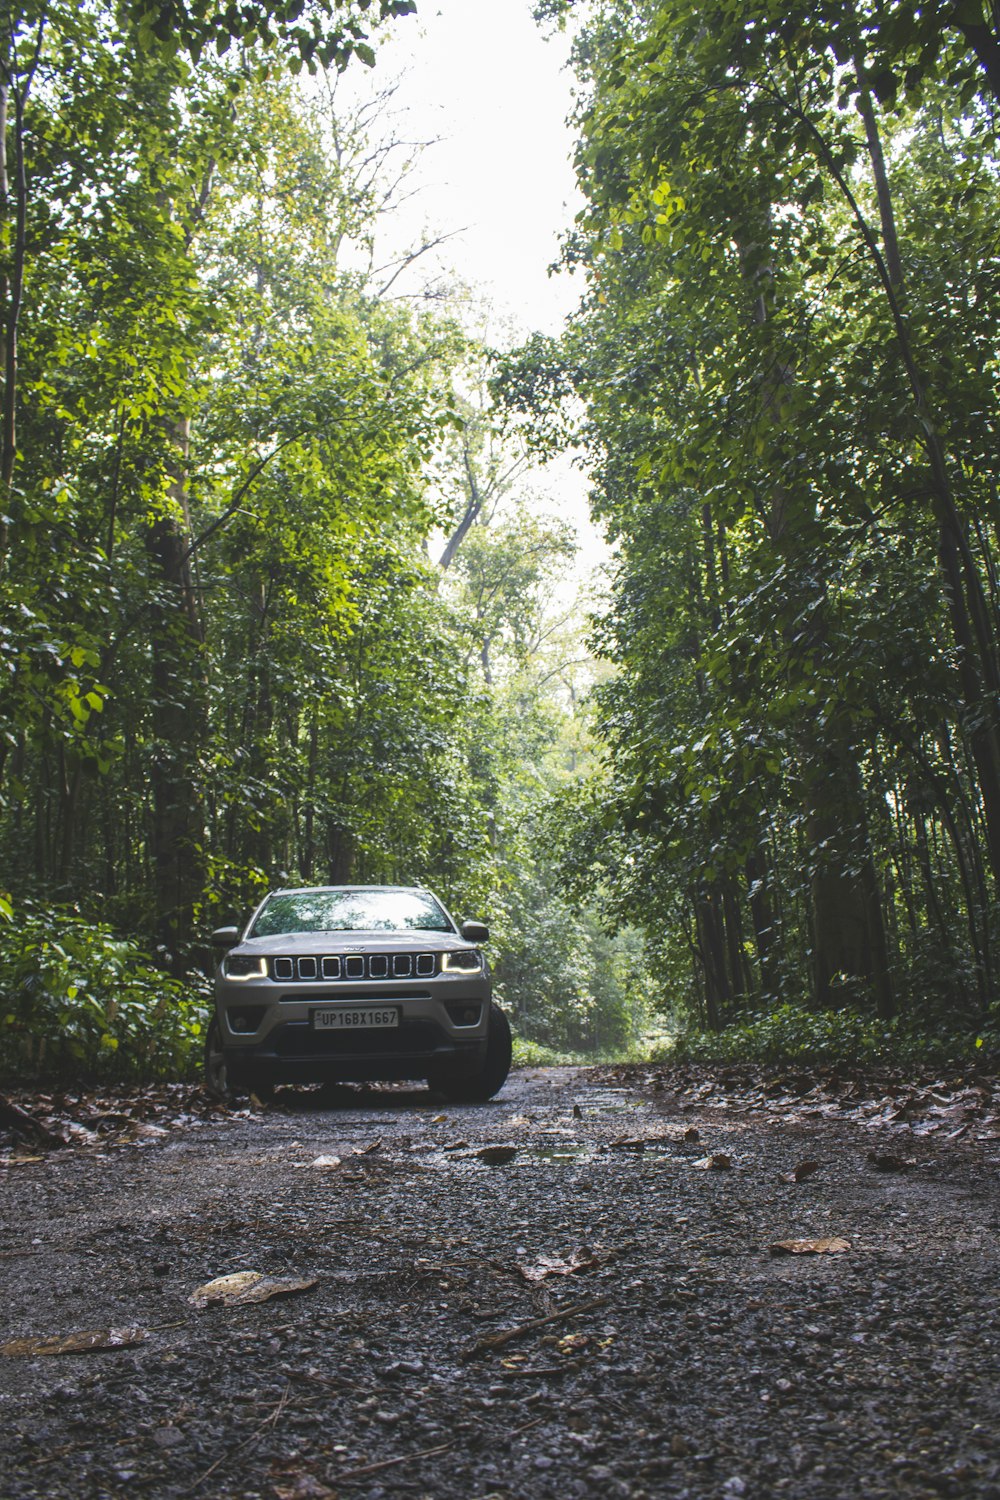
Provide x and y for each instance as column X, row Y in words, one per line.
column 375, row 910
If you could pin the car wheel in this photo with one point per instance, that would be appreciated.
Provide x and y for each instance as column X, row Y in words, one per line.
column 216, row 1071
column 476, row 1088
column 217, row 1078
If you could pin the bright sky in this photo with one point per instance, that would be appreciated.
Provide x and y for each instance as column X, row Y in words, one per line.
column 481, row 78
column 483, row 81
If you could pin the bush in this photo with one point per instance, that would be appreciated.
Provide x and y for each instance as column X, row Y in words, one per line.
column 77, row 1001
column 794, row 1034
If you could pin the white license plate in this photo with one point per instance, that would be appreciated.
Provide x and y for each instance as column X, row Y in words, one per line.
column 355, row 1020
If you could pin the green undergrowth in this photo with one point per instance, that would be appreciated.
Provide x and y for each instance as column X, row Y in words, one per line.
column 79, row 1003
column 795, row 1034
column 529, row 1054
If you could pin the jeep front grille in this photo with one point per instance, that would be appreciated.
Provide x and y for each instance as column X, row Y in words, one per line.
column 354, row 966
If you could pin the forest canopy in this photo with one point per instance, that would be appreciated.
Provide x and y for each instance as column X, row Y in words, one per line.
column 276, row 604
column 788, row 359
column 283, row 598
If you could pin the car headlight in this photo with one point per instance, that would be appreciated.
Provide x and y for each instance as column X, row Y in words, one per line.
column 244, row 966
column 463, row 961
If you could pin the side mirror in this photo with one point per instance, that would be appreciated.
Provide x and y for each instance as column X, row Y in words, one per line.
column 475, row 932
column 225, row 937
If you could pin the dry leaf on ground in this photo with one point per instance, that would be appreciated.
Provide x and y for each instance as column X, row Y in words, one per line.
column 801, row 1172
column 835, row 1246
column 245, row 1287
column 571, row 1265
column 325, row 1162
column 496, row 1156
column 719, row 1162
column 77, row 1343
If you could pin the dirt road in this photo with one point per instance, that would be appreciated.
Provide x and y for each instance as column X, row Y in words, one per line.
column 595, row 1311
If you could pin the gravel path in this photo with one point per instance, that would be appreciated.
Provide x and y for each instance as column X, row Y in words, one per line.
column 448, row 1346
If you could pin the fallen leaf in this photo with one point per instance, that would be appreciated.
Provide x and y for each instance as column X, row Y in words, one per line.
column 720, row 1162
column 810, row 1247
column 628, row 1143
column 889, row 1163
column 496, row 1156
column 572, row 1265
column 367, row 1150
column 438, row 1119
column 243, row 1287
column 801, row 1172
column 18, row 1161
column 326, row 1161
column 77, row 1343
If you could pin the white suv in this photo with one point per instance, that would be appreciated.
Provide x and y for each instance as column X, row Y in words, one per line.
column 355, row 983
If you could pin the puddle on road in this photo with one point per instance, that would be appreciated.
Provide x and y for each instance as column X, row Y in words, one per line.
column 611, row 1102
column 565, row 1151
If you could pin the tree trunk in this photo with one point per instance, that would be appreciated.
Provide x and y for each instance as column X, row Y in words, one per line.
column 850, row 952
column 341, row 854
column 179, row 693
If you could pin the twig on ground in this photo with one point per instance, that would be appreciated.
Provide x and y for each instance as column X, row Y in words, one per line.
column 19, row 1119
column 538, row 1371
column 392, row 1463
column 269, row 1421
column 498, row 1340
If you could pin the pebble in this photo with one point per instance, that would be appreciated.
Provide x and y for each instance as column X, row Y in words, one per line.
column 168, row 1437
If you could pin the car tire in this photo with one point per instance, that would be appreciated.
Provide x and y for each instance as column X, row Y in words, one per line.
column 217, row 1077
column 216, row 1070
column 476, row 1088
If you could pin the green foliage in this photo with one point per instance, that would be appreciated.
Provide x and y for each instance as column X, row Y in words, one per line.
column 791, row 415
column 79, row 1002
column 795, row 1035
column 327, row 33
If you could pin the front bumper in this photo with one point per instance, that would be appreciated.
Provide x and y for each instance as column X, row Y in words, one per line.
column 267, row 1030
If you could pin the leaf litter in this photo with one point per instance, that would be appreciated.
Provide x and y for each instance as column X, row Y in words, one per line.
column 91, row 1341
column 954, row 1104
column 110, row 1116
column 681, row 1232
column 801, row 1172
column 833, row 1246
column 241, row 1288
column 574, row 1264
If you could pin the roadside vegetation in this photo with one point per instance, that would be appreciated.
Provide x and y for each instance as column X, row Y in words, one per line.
column 284, row 598
column 784, row 375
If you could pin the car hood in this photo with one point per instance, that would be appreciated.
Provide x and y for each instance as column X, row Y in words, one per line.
column 354, row 942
